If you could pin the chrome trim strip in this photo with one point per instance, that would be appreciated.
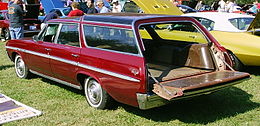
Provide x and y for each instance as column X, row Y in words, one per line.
column 146, row 101
column 57, row 80
column 107, row 23
column 108, row 72
column 77, row 64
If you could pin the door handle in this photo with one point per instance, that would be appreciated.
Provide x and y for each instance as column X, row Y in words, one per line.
column 47, row 49
column 193, row 37
column 74, row 55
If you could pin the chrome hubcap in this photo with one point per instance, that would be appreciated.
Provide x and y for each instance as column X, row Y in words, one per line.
column 20, row 67
column 94, row 92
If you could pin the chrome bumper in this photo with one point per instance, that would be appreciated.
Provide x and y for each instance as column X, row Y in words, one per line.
column 146, row 101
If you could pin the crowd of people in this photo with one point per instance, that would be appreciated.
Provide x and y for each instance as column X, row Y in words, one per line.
column 92, row 6
column 228, row 6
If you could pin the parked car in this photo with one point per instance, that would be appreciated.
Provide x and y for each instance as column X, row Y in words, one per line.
column 31, row 22
column 186, row 9
column 62, row 12
column 4, row 25
column 233, row 32
column 109, row 56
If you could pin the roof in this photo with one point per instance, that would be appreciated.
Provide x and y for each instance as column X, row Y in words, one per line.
column 121, row 18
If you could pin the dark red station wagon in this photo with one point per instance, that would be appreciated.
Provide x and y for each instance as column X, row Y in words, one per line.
column 124, row 57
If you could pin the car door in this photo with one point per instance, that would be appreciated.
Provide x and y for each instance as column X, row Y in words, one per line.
column 39, row 58
column 65, row 54
column 121, row 68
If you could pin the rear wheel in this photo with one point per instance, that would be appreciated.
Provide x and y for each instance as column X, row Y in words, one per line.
column 238, row 65
column 21, row 69
column 96, row 96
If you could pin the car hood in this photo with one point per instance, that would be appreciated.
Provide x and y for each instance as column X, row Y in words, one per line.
column 255, row 24
column 158, row 7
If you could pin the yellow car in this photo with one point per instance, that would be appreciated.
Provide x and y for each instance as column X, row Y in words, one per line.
column 233, row 31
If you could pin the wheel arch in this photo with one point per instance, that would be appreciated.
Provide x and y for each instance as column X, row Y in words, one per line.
column 81, row 76
column 231, row 53
column 13, row 55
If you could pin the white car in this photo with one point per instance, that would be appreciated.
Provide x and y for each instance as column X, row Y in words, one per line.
column 221, row 21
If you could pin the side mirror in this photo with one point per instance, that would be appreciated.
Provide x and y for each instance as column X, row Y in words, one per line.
column 35, row 38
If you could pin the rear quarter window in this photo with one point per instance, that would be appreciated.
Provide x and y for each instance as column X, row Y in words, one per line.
column 114, row 39
column 241, row 23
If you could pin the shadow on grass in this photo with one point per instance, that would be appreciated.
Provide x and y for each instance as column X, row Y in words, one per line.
column 202, row 109
column 198, row 110
column 62, row 86
column 6, row 67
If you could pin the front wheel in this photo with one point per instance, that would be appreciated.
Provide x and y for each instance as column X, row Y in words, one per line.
column 96, row 96
column 21, row 69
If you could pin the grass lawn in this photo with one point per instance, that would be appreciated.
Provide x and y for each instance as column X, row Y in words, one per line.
column 62, row 105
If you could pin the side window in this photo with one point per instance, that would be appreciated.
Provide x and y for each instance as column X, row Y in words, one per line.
column 69, row 35
column 2, row 16
column 111, row 38
column 208, row 24
column 49, row 33
column 241, row 23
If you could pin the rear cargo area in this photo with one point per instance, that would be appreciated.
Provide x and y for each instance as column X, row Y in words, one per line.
column 181, row 69
column 168, row 60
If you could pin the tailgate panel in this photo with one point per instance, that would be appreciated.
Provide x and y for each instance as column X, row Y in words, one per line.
column 179, row 87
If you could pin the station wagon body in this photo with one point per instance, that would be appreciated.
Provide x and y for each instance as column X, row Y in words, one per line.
column 110, row 57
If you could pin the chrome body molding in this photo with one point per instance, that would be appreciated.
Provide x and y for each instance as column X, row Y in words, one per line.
column 76, row 64
column 147, row 101
column 57, row 80
column 108, row 73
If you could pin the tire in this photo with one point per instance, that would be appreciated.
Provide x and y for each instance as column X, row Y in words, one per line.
column 238, row 65
column 21, row 69
column 95, row 95
column 7, row 34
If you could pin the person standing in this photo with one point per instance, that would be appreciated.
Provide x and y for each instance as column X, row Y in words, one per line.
column 16, row 14
column 221, row 7
column 116, row 7
column 75, row 10
column 199, row 5
column 91, row 7
column 230, row 6
column 101, row 7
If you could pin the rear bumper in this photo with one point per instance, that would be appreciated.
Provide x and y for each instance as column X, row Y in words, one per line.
column 146, row 101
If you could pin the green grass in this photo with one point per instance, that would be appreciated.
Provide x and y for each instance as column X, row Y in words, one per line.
column 62, row 105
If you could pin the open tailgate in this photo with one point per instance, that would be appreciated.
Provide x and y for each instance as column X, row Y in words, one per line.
column 199, row 84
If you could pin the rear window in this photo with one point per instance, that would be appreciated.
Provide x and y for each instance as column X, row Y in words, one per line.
column 114, row 39
column 178, row 31
column 241, row 23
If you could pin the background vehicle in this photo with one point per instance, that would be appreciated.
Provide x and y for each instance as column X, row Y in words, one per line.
column 123, row 57
column 233, row 32
column 31, row 22
column 186, row 9
column 62, row 12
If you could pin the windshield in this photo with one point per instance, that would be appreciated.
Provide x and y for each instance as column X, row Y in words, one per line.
column 241, row 23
